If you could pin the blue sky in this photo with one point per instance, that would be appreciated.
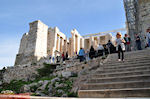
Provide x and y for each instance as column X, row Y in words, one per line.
column 87, row 16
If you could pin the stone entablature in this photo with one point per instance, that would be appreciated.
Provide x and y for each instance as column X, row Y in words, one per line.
column 42, row 42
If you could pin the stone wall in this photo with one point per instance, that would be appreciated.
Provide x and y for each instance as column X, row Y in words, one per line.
column 24, row 73
column 51, row 41
column 33, row 45
column 23, row 43
column 41, row 40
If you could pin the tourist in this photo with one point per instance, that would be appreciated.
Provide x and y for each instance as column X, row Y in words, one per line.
column 81, row 54
column 105, row 50
column 50, row 57
column 53, row 58
column 127, row 44
column 100, row 50
column 92, row 53
column 87, row 55
column 66, row 56
column 120, row 46
column 148, row 37
column 138, row 42
column 110, row 47
column 63, row 57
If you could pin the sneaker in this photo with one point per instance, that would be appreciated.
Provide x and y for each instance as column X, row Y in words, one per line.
column 119, row 60
column 123, row 60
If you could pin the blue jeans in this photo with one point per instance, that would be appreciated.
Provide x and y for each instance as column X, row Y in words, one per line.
column 138, row 44
column 149, row 42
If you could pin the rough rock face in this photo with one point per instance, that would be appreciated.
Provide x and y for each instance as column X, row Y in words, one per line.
column 20, row 73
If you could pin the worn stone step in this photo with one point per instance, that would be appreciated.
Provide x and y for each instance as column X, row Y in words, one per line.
column 142, row 54
column 116, row 85
column 115, row 57
column 123, row 66
column 130, row 78
column 126, row 69
column 123, row 63
column 119, row 74
column 115, row 93
column 120, row 79
column 132, row 59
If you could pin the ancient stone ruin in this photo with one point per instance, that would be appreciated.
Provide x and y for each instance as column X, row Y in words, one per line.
column 41, row 43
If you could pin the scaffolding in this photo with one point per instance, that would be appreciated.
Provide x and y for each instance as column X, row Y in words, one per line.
column 131, row 10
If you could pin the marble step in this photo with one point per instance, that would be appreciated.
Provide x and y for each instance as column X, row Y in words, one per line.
column 116, row 85
column 125, row 66
column 129, row 60
column 120, row 74
column 123, row 70
column 126, row 63
column 120, row 79
column 115, row 93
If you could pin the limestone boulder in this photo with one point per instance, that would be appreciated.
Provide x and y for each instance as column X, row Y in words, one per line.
column 57, row 85
column 25, row 88
column 60, row 91
column 55, row 79
column 66, row 74
column 45, row 82
column 50, row 88
column 1, row 82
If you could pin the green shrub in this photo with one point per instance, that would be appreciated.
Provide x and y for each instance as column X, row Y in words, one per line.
column 33, row 88
column 46, row 70
column 72, row 94
column 14, row 85
column 103, row 57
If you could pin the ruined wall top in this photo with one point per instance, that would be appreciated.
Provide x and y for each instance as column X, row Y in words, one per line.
column 75, row 32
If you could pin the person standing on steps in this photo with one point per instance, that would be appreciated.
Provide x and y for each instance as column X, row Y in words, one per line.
column 138, row 42
column 92, row 52
column 110, row 47
column 120, row 48
column 81, row 54
column 148, row 37
column 66, row 57
column 63, row 57
column 100, row 50
column 127, row 44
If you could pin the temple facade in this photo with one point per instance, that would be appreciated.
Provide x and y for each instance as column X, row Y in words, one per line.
column 42, row 42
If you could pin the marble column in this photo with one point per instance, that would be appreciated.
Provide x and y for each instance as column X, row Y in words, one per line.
column 91, row 42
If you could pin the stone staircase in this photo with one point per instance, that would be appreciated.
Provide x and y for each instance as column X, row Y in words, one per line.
column 114, row 79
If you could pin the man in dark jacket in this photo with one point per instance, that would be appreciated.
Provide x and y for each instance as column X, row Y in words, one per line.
column 138, row 42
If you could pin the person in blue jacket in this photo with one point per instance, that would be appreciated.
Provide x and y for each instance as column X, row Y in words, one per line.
column 81, row 54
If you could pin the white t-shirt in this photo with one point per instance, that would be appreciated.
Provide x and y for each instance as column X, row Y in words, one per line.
column 119, row 41
column 100, row 47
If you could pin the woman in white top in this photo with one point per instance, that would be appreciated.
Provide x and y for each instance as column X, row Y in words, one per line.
column 120, row 46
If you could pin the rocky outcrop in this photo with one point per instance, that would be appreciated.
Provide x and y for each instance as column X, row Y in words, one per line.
column 25, row 73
